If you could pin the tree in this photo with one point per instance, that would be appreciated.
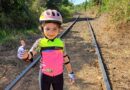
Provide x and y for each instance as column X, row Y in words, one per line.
column 65, row 2
column 53, row 4
column 85, row 4
column 97, row 2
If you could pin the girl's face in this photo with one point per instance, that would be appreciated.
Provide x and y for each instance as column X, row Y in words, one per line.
column 51, row 30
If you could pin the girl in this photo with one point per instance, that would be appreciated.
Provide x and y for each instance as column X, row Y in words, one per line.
column 53, row 53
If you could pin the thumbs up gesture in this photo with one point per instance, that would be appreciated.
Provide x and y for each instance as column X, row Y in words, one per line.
column 22, row 53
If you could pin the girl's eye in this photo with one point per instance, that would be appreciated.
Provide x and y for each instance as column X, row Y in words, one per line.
column 48, row 29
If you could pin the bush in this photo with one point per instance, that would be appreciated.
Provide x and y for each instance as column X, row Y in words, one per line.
column 119, row 9
column 66, row 11
column 8, row 35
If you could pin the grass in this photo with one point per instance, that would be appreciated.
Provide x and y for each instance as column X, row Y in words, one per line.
column 118, row 9
column 9, row 36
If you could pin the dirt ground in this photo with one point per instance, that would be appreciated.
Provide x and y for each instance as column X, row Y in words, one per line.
column 115, row 49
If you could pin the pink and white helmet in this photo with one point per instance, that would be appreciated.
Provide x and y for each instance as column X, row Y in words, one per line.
column 51, row 15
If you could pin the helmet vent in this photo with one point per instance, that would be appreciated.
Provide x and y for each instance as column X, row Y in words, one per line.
column 48, row 13
column 53, row 13
column 58, row 14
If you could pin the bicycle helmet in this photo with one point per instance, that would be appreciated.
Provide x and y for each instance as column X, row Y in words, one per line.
column 51, row 16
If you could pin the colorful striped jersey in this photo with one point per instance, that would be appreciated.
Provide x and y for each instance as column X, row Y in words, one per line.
column 52, row 52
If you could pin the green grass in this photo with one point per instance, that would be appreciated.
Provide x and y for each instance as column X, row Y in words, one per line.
column 8, row 35
column 118, row 9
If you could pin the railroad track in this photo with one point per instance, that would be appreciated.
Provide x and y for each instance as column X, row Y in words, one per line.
column 100, row 58
column 106, row 82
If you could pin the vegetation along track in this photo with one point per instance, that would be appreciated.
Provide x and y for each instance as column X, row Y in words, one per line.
column 81, row 49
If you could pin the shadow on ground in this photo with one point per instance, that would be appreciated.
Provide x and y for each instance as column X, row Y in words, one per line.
column 80, row 19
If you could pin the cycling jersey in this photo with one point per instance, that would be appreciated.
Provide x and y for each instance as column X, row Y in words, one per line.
column 52, row 52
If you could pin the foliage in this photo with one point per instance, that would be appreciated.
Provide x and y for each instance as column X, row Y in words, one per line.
column 25, row 13
column 118, row 9
column 66, row 11
column 8, row 35
column 18, row 17
column 64, row 6
column 66, row 3
column 53, row 4
column 18, row 14
column 96, row 2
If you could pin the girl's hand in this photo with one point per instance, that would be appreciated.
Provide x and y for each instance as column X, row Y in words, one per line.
column 72, row 77
column 25, row 55
column 22, row 53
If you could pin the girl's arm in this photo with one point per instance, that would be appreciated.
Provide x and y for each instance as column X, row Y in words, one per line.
column 34, row 49
column 67, row 61
column 67, row 64
column 68, row 67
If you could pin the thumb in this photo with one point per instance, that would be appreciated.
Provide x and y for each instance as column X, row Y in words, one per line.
column 22, row 42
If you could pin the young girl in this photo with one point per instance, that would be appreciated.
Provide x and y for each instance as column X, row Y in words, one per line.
column 53, row 52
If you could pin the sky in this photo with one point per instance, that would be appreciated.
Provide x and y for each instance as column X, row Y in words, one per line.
column 77, row 1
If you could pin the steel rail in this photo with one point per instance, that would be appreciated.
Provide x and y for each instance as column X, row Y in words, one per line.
column 100, row 58
column 18, row 78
